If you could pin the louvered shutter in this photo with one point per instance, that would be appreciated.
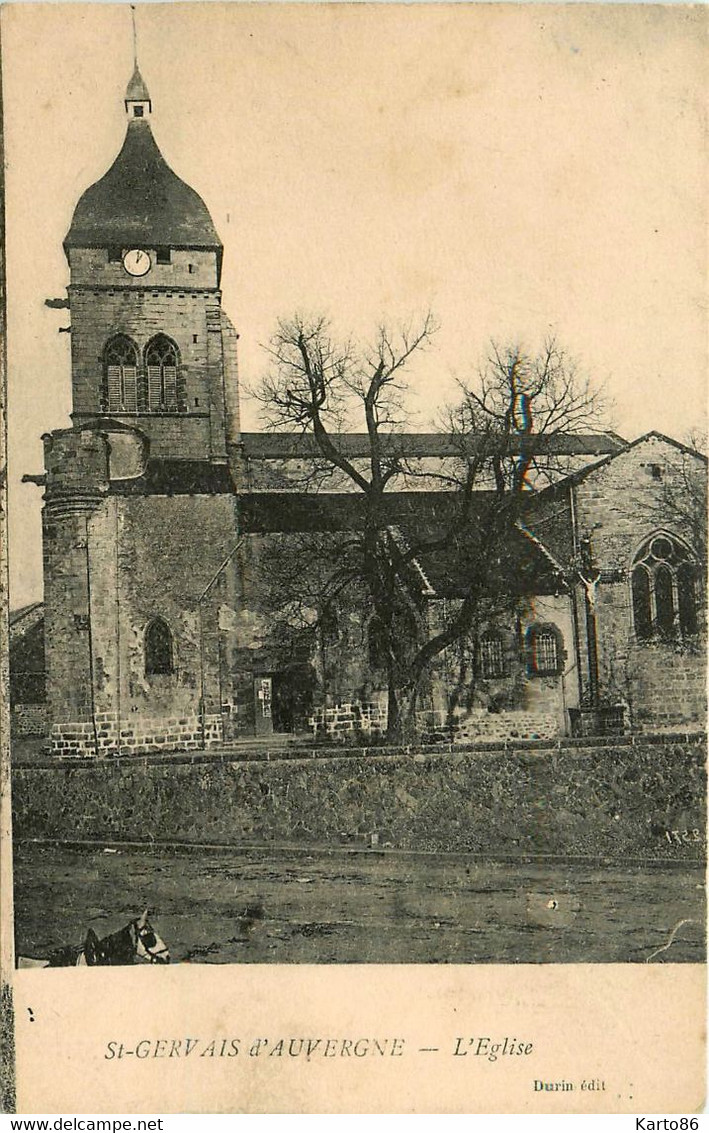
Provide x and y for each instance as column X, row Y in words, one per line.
column 113, row 376
column 170, row 380
column 154, row 387
column 130, row 389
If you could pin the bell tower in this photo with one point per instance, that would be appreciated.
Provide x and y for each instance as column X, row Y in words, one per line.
column 147, row 326
column 140, row 518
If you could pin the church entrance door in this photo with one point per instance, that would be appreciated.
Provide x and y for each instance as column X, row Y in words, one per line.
column 293, row 697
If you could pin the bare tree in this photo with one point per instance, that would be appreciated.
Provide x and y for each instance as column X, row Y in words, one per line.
column 502, row 435
column 318, row 387
column 684, row 498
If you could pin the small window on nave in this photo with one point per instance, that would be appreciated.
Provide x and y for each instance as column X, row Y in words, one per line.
column 665, row 589
column 491, row 660
column 544, row 650
column 158, row 648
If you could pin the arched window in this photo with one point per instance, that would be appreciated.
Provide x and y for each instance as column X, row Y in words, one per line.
column 664, row 584
column 158, row 648
column 491, row 655
column 544, row 650
column 161, row 365
column 120, row 375
column 687, row 599
column 664, row 600
column 641, row 602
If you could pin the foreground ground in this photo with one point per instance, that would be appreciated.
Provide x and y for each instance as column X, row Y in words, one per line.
column 321, row 906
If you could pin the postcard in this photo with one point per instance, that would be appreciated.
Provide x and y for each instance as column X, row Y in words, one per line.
column 355, row 648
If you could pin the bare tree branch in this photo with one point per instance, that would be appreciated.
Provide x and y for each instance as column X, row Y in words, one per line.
column 502, row 438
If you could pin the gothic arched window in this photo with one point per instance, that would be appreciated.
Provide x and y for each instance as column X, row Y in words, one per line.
column 544, row 650
column 120, row 376
column 161, row 365
column 491, row 655
column 158, row 648
column 664, row 586
column 641, row 602
column 687, row 599
column 664, row 600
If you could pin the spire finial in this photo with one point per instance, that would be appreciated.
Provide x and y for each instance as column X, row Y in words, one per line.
column 135, row 37
column 137, row 99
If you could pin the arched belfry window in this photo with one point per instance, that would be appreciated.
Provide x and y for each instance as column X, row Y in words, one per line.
column 664, row 584
column 161, row 366
column 158, row 648
column 120, row 372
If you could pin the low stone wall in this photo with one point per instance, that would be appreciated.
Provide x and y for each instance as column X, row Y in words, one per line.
column 85, row 738
column 625, row 798
column 484, row 725
column 341, row 721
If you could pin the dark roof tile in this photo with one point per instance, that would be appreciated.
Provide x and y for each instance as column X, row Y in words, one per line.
column 140, row 202
column 176, row 478
column 520, row 564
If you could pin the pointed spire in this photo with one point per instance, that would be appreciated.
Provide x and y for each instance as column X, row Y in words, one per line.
column 136, row 90
column 137, row 100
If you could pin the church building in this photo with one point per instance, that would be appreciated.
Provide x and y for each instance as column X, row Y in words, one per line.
column 160, row 517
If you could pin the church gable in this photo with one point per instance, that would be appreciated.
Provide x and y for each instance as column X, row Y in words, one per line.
column 653, row 484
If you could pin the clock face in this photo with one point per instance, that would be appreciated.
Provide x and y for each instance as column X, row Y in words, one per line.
column 137, row 262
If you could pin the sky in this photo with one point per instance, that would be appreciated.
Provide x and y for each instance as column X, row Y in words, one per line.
column 518, row 169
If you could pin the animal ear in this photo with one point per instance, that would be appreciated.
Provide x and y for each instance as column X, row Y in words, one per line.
column 143, row 920
column 91, row 947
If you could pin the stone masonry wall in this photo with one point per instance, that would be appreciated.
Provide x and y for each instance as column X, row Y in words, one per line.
column 99, row 314
column 168, row 550
column 29, row 720
column 668, row 686
column 146, row 735
column 622, row 799
column 620, row 505
column 519, row 704
column 74, row 463
column 180, row 300
column 147, row 557
column 506, row 726
column 341, row 721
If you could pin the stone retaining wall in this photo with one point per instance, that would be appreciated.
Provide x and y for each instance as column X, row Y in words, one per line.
column 623, row 798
